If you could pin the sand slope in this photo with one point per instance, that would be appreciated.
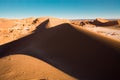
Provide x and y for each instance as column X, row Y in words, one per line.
column 13, row 29
column 67, row 48
column 23, row 67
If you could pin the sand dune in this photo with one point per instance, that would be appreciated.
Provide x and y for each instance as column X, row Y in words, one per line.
column 105, row 22
column 52, row 21
column 107, row 28
column 97, row 22
column 75, row 52
column 102, row 20
column 23, row 67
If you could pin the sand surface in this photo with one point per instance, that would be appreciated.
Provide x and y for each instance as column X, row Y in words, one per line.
column 55, row 49
column 109, row 32
column 23, row 67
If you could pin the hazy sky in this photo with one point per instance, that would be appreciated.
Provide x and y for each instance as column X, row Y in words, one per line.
column 60, row 8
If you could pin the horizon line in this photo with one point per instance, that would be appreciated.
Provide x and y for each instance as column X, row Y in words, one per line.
column 53, row 17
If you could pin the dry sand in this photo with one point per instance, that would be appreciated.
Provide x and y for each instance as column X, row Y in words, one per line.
column 108, row 32
column 57, row 50
column 23, row 67
column 107, row 28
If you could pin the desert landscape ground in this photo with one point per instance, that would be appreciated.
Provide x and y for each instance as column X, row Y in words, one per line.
column 48, row 48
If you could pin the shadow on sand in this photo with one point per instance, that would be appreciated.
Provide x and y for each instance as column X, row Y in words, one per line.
column 69, row 50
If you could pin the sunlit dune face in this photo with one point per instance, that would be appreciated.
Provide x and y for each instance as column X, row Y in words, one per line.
column 6, row 23
column 23, row 67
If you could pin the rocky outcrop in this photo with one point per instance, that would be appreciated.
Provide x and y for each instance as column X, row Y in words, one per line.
column 85, row 22
column 76, row 22
column 80, row 22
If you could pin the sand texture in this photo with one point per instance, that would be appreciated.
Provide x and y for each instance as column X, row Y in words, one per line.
column 55, row 49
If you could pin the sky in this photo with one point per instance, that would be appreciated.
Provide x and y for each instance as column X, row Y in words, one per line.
column 70, row 9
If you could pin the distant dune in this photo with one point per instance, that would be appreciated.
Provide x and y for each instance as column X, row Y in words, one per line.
column 55, row 49
column 106, row 27
column 104, row 22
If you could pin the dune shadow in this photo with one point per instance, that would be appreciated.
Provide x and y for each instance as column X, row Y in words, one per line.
column 69, row 50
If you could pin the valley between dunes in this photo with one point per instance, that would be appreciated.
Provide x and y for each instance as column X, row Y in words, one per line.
column 49, row 48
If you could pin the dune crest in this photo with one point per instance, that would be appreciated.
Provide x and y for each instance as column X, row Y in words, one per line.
column 52, row 21
column 55, row 21
column 102, row 20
